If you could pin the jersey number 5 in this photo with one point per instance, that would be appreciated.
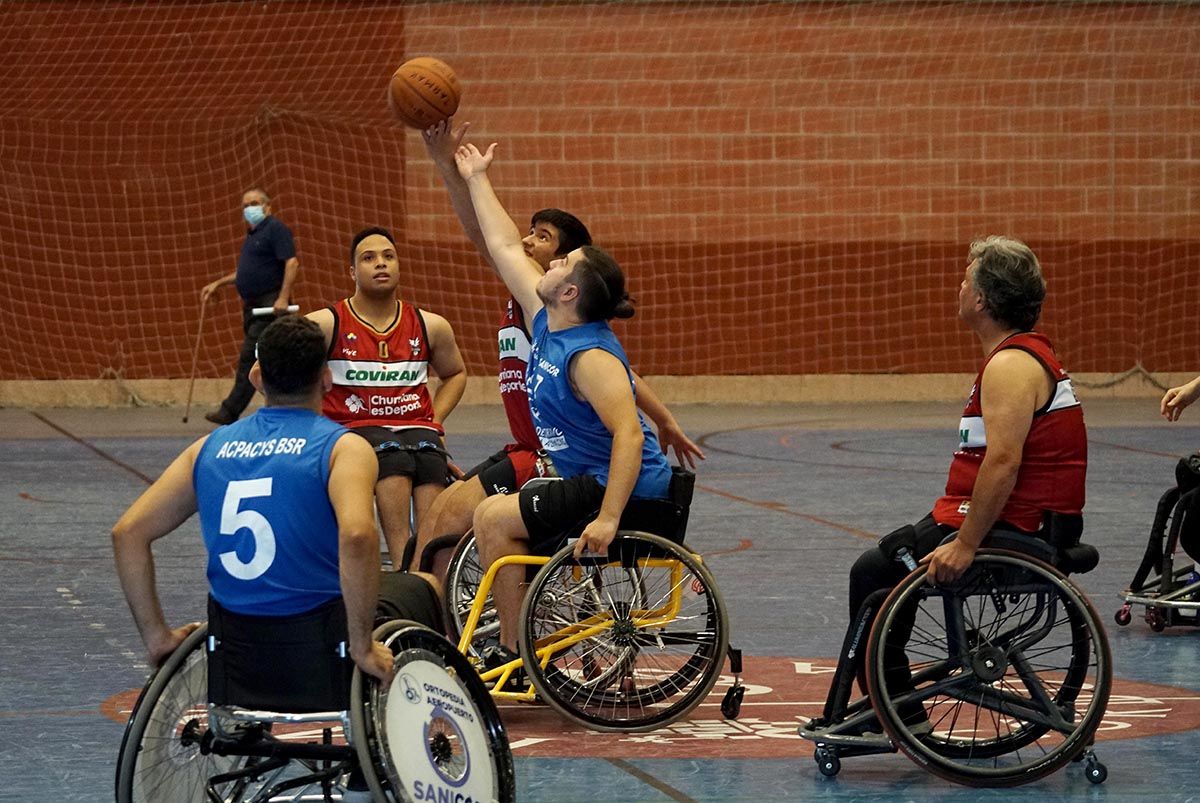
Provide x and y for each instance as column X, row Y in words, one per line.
column 233, row 520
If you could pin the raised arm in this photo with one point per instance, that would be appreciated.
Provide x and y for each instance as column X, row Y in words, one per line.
column 441, row 141
column 446, row 360
column 519, row 273
column 165, row 505
column 353, row 469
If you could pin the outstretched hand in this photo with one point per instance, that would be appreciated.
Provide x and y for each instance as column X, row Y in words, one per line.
column 471, row 162
column 1177, row 399
column 443, row 139
column 686, row 451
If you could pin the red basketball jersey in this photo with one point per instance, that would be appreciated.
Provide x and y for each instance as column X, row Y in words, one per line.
column 1054, row 459
column 379, row 377
column 514, row 360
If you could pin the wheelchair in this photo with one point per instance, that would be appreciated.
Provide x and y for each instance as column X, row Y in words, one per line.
column 1010, row 669
column 624, row 642
column 1170, row 593
column 219, row 722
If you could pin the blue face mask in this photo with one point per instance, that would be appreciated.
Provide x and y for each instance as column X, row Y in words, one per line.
column 254, row 214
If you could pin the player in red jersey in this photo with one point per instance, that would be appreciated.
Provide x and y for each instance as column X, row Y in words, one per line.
column 380, row 352
column 552, row 233
column 1022, row 448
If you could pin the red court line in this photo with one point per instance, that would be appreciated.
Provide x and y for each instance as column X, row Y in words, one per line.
column 780, row 507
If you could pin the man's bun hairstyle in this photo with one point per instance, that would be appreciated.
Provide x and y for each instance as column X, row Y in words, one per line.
column 601, row 284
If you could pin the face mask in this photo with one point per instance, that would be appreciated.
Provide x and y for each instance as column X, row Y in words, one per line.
column 254, row 215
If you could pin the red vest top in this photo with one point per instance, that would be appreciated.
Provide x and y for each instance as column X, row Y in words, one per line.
column 379, row 377
column 514, row 360
column 1053, row 461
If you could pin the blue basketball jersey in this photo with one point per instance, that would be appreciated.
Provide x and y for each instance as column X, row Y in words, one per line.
column 569, row 429
column 262, row 490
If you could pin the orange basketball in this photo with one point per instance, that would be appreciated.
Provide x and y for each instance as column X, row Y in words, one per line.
column 423, row 91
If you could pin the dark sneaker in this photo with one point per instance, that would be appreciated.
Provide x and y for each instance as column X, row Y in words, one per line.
column 499, row 655
column 220, row 417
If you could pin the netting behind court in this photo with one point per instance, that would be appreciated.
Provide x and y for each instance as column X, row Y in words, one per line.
column 789, row 185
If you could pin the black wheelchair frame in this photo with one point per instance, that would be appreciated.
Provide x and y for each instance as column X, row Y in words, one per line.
column 1012, row 675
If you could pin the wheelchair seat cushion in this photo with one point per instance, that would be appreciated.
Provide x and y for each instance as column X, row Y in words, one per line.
column 408, row 596
column 291, row 664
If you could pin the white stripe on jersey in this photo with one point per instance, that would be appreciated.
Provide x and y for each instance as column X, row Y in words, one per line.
column 514, row 343
column 372, row 374
column 1064, row 397
column 973, row 435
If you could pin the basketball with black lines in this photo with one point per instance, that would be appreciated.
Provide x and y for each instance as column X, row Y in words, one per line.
column 423, row 91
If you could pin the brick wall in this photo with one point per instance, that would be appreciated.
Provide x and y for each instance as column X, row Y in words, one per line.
column 790, row 186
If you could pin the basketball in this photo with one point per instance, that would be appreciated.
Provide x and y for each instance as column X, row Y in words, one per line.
column 423, row 91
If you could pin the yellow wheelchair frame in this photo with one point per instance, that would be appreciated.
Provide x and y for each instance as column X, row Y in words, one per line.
column 640, row 628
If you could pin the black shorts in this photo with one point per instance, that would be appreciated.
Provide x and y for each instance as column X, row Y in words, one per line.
column 408, row 596
column 551, row 509
column 414, row 453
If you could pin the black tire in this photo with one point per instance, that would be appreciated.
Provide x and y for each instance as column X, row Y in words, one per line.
column 466, row 730
column 160, row 756
column 463, row 576
column 1005, row 657
column 636, row 642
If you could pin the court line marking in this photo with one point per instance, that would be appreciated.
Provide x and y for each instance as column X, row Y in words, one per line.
column 650, row 780
column 780, row 507
column 96, row 449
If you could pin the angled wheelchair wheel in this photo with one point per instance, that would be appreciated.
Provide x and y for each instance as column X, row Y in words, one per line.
column 996, row 680
column 627, row 642
column 434, row 732
column 463, row 576
column 161, row 757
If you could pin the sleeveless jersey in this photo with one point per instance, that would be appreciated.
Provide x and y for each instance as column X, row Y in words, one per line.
column 568, row 428
column 1053, row 461
column 379, row 378
column 262, row 492
column 514, row 362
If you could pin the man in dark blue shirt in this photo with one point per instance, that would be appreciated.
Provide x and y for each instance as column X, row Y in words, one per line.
column 266, row 271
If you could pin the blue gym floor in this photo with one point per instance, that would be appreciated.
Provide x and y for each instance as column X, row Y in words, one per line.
column 787, row 499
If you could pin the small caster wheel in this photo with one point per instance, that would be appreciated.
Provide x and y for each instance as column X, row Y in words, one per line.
column 1156, row 620
column 828, row 763
column 731, row 704
column 1095, row 771
column 1123, row 616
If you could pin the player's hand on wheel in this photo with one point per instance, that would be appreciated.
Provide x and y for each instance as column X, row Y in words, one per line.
column 596, row 537
column 375, row 661
column 162, row 647
column 948, row 562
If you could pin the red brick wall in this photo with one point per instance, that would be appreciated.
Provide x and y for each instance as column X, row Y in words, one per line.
column 790, row 186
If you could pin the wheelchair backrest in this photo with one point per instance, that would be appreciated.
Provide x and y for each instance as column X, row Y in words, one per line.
column 295, row 664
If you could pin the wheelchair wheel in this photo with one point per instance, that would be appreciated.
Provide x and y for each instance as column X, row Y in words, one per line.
column 1009, row 676
column 463, row 576
column 629, row 642
column 434, row 732
column 160, row 756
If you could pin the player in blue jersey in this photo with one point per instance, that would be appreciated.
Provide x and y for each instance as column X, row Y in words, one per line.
column 286, row 508
column 581, row 396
